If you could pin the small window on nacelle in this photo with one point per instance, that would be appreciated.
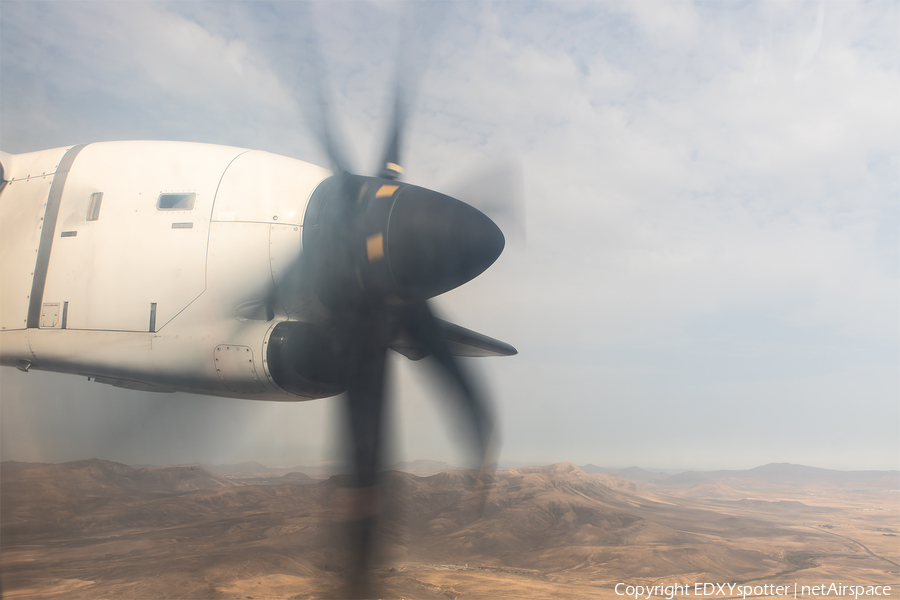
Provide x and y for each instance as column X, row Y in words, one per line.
column 93, row 212
column 176, row 201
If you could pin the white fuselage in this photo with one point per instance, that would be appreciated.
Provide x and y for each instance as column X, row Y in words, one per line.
column 149, row 292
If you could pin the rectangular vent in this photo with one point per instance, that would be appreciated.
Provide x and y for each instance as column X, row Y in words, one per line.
column 182, row 225
column 93, row 212
column 176, row 201
column 68, row 234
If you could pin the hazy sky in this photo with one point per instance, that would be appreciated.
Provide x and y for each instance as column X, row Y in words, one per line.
column 713, row 210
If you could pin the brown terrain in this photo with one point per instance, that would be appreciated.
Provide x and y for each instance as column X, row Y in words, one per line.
column 98, row 529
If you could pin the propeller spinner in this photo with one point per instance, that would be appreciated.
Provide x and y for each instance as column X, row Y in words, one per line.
column 393, row 242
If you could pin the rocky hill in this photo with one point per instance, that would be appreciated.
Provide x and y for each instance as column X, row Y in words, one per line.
column 95, row 528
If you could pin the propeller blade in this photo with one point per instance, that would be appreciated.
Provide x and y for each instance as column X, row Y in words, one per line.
column 420, row 28
column 496, row 188
column 366, row 333
column 315, row 100
column 366, row 341
column 420, row 324
column 390, row 161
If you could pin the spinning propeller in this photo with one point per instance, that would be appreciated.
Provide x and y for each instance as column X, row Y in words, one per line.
column 377, row 249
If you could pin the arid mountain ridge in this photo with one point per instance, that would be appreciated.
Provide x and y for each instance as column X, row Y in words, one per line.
column 96, row 528
column 424, row 468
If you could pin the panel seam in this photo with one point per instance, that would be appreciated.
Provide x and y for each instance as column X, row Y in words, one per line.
column 51, row 213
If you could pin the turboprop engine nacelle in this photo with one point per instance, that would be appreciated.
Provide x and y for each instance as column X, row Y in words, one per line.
column 160, row 265
column 169, row 266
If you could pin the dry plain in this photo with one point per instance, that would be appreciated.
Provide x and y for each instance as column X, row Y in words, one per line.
column 98, row 529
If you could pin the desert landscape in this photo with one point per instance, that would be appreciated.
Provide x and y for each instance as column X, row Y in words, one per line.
column 99, row 529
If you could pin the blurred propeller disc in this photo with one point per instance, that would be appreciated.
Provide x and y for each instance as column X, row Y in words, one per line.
column 376, row 249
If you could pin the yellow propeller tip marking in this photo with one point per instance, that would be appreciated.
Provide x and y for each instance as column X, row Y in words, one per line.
column 375, row 247
column 395, row 167
column 386, row 191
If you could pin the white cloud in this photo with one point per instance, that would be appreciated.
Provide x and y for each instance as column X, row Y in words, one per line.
column 814, row 40
column 665, row 22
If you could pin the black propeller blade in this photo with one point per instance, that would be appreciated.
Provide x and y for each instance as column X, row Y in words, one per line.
column 496, row 188
column 390, row 162
column 366, row 332
column 419, row 322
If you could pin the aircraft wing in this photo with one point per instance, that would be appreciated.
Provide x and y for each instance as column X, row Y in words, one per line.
column 129, row 384
column 462, row 342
